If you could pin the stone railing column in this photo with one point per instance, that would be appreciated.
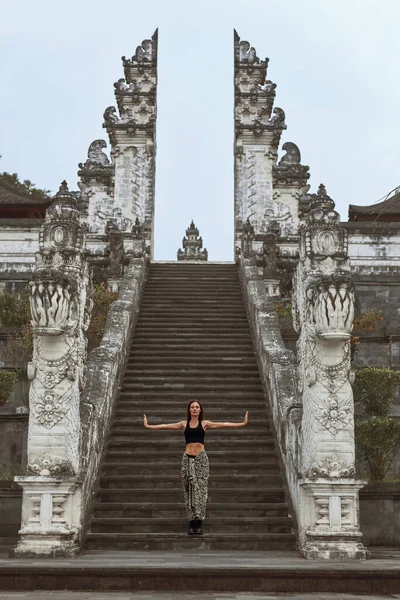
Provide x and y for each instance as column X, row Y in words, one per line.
column 323, row 306
column 61, row 304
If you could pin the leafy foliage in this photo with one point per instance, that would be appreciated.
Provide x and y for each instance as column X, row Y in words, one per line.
column 378, row 441
column 102, row 300
column 369, row 321
column 284, row 309
column 14, row 310
column 7, row 381
column 26, row 186
column 19, row 346
column 374, row 389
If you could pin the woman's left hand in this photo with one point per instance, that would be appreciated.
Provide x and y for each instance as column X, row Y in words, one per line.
column 246, row 418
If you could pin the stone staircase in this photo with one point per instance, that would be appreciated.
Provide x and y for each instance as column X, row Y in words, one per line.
column 192, row 341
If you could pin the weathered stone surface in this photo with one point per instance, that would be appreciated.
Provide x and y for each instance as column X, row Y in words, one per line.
column 104, row 370
column 277, row 369
column 323, row 314
column 380, row 514
column 61, row 305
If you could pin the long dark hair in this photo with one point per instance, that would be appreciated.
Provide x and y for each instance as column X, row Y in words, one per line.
column 201, row 416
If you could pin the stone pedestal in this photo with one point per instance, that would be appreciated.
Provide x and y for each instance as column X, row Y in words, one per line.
column 50, row 517
column 329, row 518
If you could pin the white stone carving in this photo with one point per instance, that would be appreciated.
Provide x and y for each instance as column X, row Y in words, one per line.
column 331, row 468
column 61, row 304
column 323, row 313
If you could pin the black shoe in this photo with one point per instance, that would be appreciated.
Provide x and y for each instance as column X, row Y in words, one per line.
column 192, row 527
column 197, row 527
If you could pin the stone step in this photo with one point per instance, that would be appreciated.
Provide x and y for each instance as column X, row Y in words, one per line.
column 179, row 396
column 198, row 289
column 182, row 541
column 200, row 295
column 191, row 377
column 205, row 345
column 174, row 414
column 208, row 572
column 177, row 354
column 249, row 494
column 221, row 524
column 170, row 325
column 168, row 455
column 186, row 338
column 218, row 468
column 136, row 428
column 151, row 510
column 191, row 365
column 195, row 319
column 162, row 408
column 156, row 311
column 162, row 482
column 194, row 387
column 216, row 278
column 177, row 442
column 193, row 369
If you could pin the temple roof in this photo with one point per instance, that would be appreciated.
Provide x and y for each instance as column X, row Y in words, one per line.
column 387, row 210
column 16, row 204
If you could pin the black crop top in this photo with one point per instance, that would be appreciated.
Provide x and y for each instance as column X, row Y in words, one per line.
column 194, row 435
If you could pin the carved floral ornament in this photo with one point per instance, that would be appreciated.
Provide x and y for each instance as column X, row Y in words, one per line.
column 47, row 465
column 336, row 413
column 331, row 468
column 50, row 408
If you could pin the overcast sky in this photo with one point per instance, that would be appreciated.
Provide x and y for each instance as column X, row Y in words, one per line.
column 335, row 63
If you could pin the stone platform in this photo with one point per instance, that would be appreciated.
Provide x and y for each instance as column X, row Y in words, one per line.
column 227, row 573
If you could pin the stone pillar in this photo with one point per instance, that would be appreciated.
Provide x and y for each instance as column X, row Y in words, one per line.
column 323, row 307
column 132, row 138
column 61, row 304
column 258, row 128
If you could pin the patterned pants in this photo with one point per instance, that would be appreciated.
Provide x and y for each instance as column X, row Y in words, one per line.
column 195, row 472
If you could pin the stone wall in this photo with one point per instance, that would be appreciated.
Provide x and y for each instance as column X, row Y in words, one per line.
column 380, row 514
column 13, row 437
column 10, row 509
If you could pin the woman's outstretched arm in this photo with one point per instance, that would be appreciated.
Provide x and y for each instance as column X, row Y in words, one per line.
column 179, row 425
column 212, row 425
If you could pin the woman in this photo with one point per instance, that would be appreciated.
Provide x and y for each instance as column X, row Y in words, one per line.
column 195, row 469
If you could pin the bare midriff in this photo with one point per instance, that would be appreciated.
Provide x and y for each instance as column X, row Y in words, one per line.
column 194, row 449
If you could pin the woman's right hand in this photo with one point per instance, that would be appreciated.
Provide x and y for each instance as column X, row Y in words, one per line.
column 145, row 421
